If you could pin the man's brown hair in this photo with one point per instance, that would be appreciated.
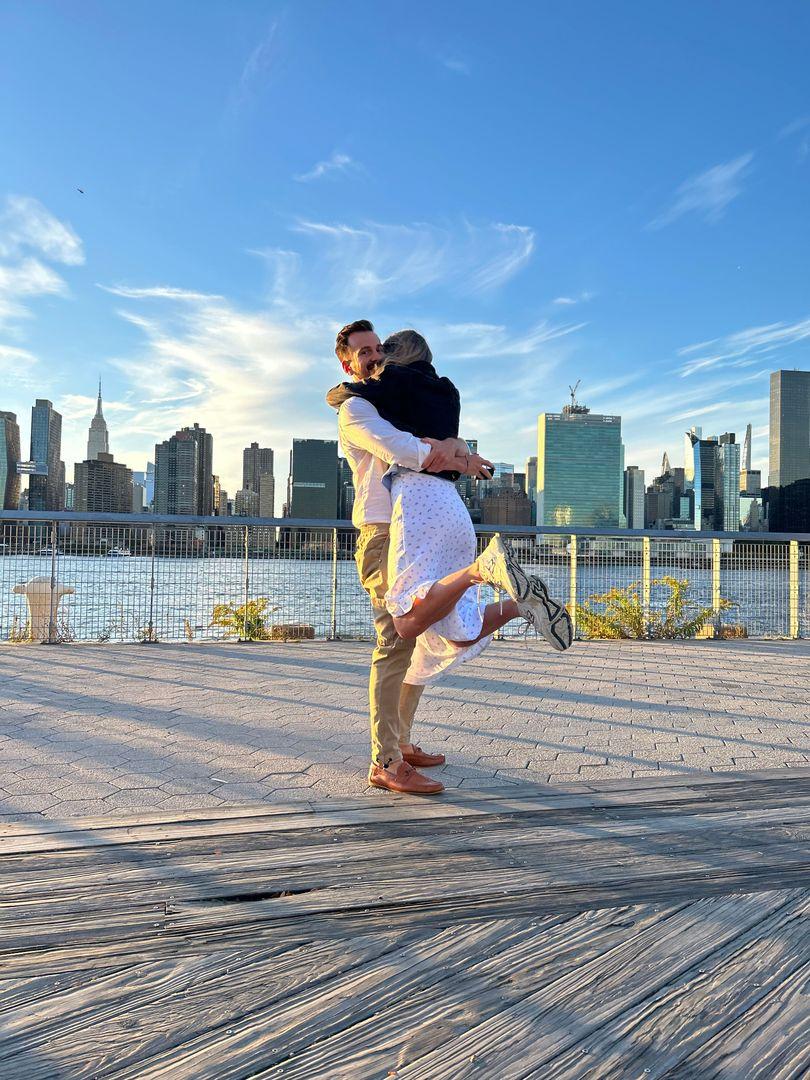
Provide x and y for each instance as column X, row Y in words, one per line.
column 342, row 341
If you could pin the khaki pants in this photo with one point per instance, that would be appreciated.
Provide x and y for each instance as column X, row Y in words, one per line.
column 392, row 704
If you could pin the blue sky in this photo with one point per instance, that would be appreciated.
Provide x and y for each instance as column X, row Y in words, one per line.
column 550, row 192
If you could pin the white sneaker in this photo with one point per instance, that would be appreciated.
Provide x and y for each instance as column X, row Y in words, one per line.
column 499, row 568
column 547, row 616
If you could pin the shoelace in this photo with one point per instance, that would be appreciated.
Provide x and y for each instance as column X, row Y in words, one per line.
column 525, row 628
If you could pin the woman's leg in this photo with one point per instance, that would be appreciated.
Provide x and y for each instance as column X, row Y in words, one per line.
column 438, row 603
column 495, row 616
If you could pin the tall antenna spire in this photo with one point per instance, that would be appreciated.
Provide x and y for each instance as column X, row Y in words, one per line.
column 98, row 438
column 746, row 454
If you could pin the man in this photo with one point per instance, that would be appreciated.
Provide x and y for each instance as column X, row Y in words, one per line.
column 370, row 445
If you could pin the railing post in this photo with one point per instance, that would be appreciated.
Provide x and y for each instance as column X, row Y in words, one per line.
column 246, row 584
column 52, row 607
column 716, row 594
column 333, row 635
column 572, row 583
column 150, row 633
column 793, row 620
column 645, row 582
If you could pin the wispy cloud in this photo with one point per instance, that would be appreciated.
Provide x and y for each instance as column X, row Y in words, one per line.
column 744, row 348
column 372, row 262
column 202, row 357
column 801, row 123
column 256, row 69
column 568, row 301
column 159, row 292
column 30, row 238
column 474, row 341
column 700, row 410
column 284, row 268
column 707, row 194
column 25, row 224
column 456, row 65
column 337, row 163
column 76, row 408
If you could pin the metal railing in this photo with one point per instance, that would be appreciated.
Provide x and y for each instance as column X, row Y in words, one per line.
column 143, row 578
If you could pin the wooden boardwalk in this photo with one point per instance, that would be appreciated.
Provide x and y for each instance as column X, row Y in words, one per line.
column 628, row 929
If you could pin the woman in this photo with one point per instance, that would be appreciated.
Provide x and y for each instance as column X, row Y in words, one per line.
column 433, row 573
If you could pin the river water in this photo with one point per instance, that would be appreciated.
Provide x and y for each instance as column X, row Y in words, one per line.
column 115, row 598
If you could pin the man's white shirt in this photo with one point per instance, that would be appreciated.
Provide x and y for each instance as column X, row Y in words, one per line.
column 370, row 445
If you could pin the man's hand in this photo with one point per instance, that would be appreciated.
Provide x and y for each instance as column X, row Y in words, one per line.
column 478, row 467
column 453, row 455
column 443, row 456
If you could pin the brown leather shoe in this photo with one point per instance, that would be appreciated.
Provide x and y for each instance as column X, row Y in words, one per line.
column 422, row 760
column 404, row 779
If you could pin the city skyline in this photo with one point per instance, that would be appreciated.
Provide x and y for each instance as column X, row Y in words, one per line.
column 234, row 481
column 620, row 223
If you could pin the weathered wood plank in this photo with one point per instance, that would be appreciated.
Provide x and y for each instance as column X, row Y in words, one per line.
column 125, row 1015
column 30, row 876
column 722, row 796
column 524, row 1037
column 409, row 1028
column 657, row 1037
column 298, row 1020
column 210, row 874
column 769, row 1040
column 263, row 1040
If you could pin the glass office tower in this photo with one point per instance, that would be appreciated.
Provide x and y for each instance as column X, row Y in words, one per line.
column 46, row 485
column 790, row 427
column 312, row 487
column 9, row 459
column 579, row 468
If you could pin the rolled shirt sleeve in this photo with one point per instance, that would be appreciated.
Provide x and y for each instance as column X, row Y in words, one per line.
column 360, row 424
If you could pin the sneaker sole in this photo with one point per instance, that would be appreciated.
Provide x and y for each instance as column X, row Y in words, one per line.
column 555, row 623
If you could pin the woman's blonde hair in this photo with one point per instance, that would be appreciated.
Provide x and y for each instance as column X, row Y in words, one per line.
column 406, row 347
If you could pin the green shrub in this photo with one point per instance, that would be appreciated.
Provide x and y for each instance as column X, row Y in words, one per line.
column 622, row 613
column 248, row 621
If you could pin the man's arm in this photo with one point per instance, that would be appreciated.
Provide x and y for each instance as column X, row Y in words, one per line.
column 360, row 424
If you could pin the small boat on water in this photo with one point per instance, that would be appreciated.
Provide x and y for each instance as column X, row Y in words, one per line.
column 118, row 553
column 49, row 551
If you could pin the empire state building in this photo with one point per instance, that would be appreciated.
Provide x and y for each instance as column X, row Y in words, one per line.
column 98, row 439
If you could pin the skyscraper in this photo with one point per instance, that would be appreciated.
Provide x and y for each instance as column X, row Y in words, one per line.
column 716, row 482
column 531, row 485
column 727, row 484
column 790, row 428
column 703, row 477
column 146, row 479
column 177, row 475
column 138, row 497
column 184, row 479
column 579, row 468
column 746, row 451
column 46, row 484
column 267, row 495
column 246, row 503
column 689, row 453
column 102, row 486
column 667, row 501
column 9, row 460
column 312, row 490
column 634, row 497
column 505, row 504
column 256, row 461
column 98, row 439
